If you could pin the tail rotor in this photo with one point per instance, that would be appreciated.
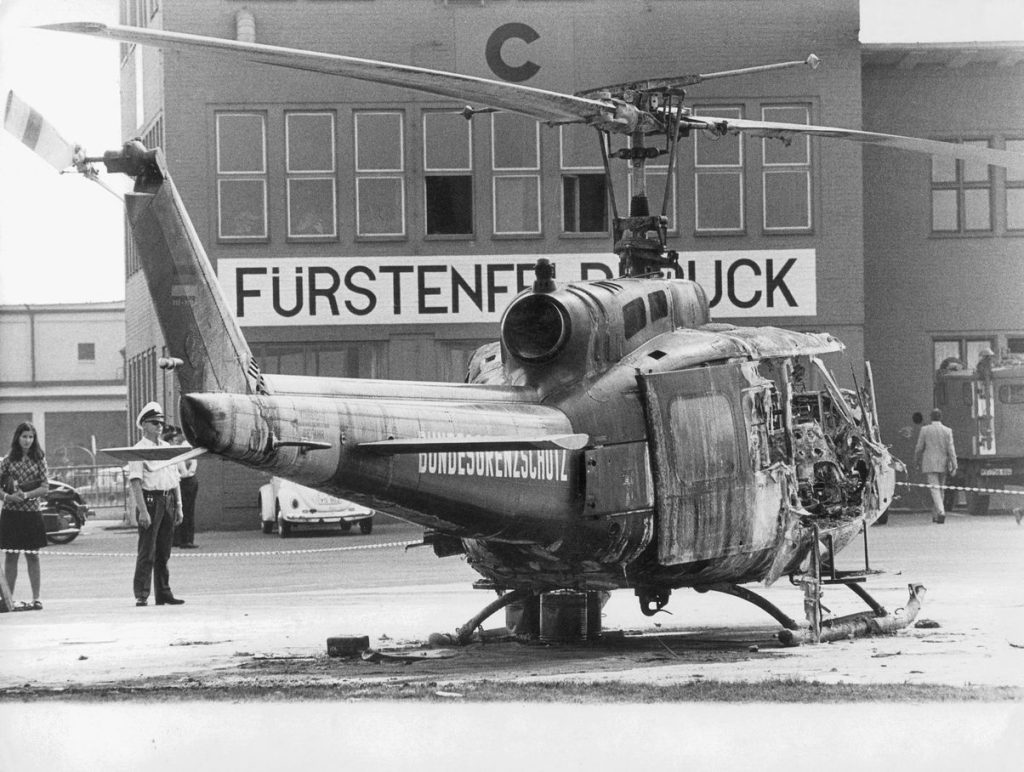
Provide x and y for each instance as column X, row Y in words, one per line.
column 30, row 128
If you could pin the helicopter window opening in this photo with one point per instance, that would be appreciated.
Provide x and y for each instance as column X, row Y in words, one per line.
column 659, row 305
column 657, row 355
column 241, row 176
column 786, row 173
column 447, row 164
column 380, row 173
column 961, row 194
column 634, row 317
column 718, row 179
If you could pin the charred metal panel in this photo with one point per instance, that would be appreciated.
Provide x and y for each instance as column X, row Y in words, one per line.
column 705, row 487
column 618, row 480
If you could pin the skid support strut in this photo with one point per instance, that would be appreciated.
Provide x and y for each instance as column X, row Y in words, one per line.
column 464, row 634
column 877, row 621
column 752, row 597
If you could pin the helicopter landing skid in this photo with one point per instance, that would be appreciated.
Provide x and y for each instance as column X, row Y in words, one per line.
column 877, row 621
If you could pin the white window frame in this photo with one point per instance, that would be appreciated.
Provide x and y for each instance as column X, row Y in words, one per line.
column 363, row 173
column 258, row 174
column 789, row 167
column 311, row 174
column 737, row 170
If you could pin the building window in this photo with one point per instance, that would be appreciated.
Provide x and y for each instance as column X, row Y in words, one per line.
column 961, row 195
column 965, row 351
column 1015, row 190
column 380, row 174
column 448, row 166
column 515, row 163
column 143, row 383
column 786, row 172
column 584, row 188
column 86, row 352
column 241, row 176
column 334, row 360
column 310, row 166
column 718, row 182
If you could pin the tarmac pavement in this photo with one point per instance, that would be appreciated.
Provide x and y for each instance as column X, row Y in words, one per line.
column 257, row 597
column 255, row 602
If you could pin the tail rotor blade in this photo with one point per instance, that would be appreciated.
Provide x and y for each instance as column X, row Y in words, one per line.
column 39, row 136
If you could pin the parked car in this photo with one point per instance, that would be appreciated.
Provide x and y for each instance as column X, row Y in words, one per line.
column 287, row 504
column 64, row 512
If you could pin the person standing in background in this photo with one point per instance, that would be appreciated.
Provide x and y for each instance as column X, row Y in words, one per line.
column 936, row 457
column 24, row 479
column 185, row 534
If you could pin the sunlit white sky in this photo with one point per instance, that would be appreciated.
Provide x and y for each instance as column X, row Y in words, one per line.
column 61, row 238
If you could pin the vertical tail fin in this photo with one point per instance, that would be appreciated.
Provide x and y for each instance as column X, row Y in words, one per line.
column 197, row 326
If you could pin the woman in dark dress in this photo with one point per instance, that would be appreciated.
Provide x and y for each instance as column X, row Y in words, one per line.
column 23, row 480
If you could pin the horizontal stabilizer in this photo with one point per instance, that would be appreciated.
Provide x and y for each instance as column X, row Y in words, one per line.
column 172, row 454
column 457, row 444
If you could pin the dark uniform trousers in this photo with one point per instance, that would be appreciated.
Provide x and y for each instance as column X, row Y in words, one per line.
column 186, row 532
column 155, row 546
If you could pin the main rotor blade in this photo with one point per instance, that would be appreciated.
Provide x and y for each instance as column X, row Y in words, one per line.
column 682, row 81
column 537, row 103
column 986, row 155
column 36, row 133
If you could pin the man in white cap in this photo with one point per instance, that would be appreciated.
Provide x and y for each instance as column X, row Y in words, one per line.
column 157, row 500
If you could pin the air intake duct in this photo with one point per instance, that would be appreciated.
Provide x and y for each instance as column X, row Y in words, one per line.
column 535, row 328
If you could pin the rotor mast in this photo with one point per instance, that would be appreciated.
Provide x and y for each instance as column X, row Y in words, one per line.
column 640, row 239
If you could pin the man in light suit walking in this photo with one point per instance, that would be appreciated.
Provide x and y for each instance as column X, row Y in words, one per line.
column 936, row 457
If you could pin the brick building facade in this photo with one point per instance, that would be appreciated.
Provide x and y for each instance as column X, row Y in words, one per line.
column 362, row 230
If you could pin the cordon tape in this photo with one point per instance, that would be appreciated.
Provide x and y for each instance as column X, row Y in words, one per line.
column 252, row 553
column 961, row 488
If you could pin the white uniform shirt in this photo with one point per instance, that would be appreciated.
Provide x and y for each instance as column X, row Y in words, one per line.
column 159, row 480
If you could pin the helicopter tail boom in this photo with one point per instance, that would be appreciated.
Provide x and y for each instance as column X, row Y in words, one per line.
column 205, row 344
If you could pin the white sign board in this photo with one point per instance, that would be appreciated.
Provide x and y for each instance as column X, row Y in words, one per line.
column 275, row 292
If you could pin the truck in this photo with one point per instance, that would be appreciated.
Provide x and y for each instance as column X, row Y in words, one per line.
column 984, row 406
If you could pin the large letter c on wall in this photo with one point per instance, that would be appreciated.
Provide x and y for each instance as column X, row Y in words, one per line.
column 510, row 31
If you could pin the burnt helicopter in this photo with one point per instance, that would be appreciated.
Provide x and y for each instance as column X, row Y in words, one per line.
column 614, row 437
